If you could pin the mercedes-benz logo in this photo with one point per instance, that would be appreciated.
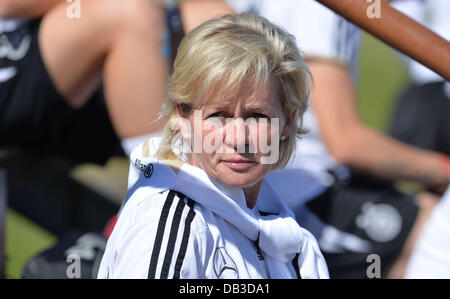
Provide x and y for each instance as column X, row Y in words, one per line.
column 224, row 266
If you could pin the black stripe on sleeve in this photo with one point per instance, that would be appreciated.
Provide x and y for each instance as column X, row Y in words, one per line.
column 185, row 240
column 160, row 235
column 296, row 267
column 172, row 238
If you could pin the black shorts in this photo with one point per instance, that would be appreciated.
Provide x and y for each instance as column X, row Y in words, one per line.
column 34, row 116
column 352, row 221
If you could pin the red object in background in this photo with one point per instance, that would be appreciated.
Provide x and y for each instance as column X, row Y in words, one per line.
column 110, row 226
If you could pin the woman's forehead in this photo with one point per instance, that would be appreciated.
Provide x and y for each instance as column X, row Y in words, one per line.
column 247, row 93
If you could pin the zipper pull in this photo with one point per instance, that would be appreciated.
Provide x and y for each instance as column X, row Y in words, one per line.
column 259, row 253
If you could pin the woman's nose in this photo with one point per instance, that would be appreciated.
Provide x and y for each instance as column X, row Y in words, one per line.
column 236, row 135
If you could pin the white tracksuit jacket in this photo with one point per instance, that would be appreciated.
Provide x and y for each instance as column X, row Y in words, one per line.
column 178, row 223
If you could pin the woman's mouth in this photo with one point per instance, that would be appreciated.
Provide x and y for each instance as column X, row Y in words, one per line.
column 239, row 164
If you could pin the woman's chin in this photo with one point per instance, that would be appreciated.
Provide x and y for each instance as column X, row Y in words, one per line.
column 239, row 179
column 236, row 175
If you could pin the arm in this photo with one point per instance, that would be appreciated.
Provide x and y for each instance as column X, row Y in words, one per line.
column 195, row 12
column 26, row 8
column 356, row 145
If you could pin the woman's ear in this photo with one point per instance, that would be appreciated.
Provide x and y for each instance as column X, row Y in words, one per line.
column 289, row 124
column 183, row 109
column 178, row 109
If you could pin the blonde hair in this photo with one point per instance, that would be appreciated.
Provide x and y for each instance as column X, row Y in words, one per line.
column 229, row 49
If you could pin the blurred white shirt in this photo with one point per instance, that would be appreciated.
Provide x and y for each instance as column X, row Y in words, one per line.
column 8, row 25
column 433, row 14
column 323, row 34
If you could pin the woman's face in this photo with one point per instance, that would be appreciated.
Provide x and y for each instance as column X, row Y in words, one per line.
column 235, row 138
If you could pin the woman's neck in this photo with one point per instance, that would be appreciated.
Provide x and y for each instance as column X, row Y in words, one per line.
column 251, row 194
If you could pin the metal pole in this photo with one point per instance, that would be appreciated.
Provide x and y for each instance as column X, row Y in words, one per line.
column 398, row 31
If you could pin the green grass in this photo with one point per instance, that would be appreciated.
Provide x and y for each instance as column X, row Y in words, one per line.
column 381, row 79
column 24, row 239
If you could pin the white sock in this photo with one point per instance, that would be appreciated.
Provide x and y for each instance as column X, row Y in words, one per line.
column 431, row 255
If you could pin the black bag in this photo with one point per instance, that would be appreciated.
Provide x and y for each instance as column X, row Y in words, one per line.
column 422, row 117
column 76, row 255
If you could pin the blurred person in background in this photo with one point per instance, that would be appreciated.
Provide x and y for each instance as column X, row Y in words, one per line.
column 422, row 119
column 55, row 57
column 421, row 116
column 85, row 80
column 339, row 183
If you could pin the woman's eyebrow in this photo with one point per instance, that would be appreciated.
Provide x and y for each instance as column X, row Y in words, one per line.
column 223, row 104
column 258, row 108
column 255, row 106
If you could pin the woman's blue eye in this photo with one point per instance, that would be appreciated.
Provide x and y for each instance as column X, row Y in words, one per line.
column 217, row 114
column 225, row 114
column 259, row 115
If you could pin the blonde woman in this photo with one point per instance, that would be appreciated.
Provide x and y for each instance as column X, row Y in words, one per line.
column 198, row 205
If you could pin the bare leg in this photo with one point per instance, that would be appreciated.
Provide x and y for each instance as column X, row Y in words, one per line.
column 426, row 203
column 119, row 40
